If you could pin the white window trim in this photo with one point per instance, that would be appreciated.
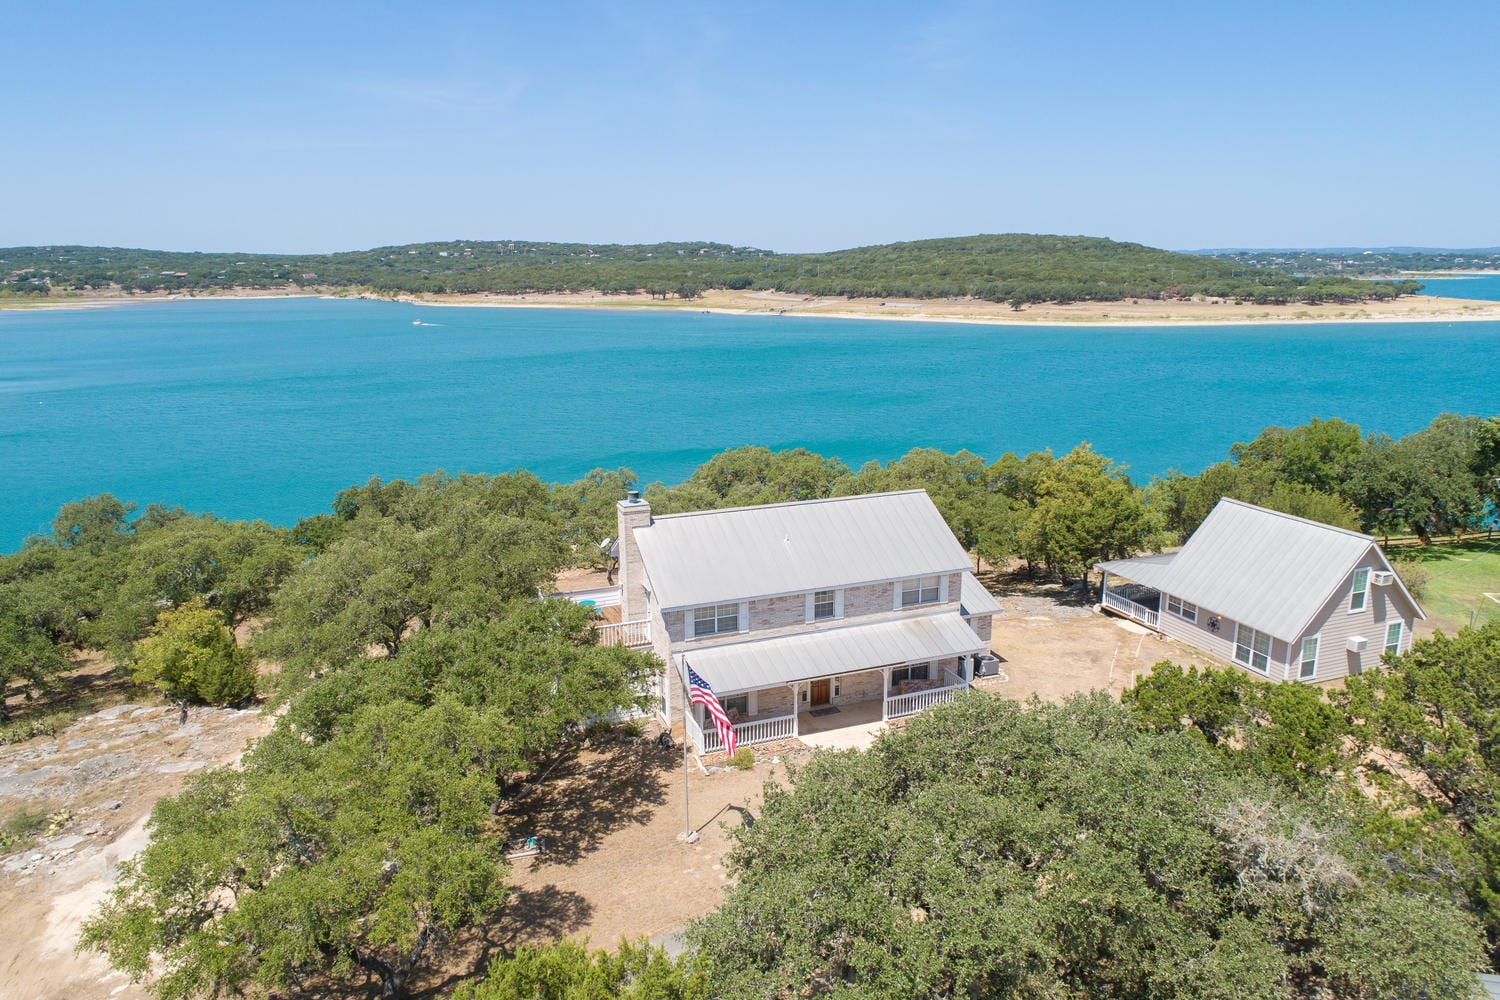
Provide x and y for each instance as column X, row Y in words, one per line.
column 1400, row 628
column 1354, row 591
column 810, row 606
column 942, row 597
column 1316, row 640
column 689, row 631
column 1250, row 662
column 1181, row 604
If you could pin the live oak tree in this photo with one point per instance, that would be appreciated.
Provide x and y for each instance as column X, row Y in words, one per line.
column 356, row 838
column 1437, row 708
column 990, row 849
column 1086, row 511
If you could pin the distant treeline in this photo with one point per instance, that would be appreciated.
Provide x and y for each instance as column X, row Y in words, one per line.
column 1015, row 268
column 1361, row 263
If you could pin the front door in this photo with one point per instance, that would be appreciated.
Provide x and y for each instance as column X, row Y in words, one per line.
column 820, row 692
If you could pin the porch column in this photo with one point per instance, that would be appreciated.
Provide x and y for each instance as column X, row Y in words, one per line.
column 1103, row 584
column 666, row 700
column 796, row 705
column 885, row 692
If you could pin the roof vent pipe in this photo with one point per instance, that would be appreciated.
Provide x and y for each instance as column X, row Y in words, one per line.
column 632, row 496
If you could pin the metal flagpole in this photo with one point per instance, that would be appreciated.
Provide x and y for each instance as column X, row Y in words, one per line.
column 687, row 823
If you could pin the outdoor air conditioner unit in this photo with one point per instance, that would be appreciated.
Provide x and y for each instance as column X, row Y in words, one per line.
column 1357, row 643
column 1382, row 578
column 986, row 665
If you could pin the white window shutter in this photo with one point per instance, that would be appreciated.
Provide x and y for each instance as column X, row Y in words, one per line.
column 687, row 624
column 744, row 616
column 896, row 600
column 838, row 604
column 943, row 589
column 808, row 608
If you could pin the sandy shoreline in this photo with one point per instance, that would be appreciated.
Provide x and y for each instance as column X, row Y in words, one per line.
column 1129, row 313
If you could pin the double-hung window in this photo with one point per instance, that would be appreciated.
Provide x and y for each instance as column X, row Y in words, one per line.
column 1360, row 592
column 714, row 619
column 1307, row 666
column 910, row 672
column 921, row 590
column 1252, row 648
column 824, row 605
column 1393, row 637
column 1182, row 609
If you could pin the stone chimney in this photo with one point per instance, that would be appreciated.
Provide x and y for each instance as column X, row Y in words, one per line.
column 632, row 513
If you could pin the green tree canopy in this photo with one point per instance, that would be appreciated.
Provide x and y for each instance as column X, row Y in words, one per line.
column 1086, row 511
column 988, row 849
column 356, row 838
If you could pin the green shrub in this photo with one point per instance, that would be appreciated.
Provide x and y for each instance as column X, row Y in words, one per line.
column 18, row 829
column 743, row 758
column 24, row 729
column 634, row 728
column 191, row 656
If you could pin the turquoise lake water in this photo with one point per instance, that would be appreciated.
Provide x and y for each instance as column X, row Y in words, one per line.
column 268, row 408
column 1481, row 286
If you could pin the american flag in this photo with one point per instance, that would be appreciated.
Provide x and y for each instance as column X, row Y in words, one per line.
column 699, row 693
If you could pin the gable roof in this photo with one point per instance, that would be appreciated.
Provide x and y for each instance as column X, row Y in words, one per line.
column 1269, row 570
column 716, row 556
column 974, row 599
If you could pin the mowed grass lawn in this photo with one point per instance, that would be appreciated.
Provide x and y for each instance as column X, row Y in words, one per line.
column 1459, row 578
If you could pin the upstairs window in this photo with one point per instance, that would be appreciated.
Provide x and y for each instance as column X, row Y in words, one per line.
column 1361, row 590
column 921, row 590
column 824, row 605
column 1252, row 648
column 1182, row 609
column 714, row 619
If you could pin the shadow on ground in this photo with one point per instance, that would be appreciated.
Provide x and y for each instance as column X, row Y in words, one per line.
column 591, row 793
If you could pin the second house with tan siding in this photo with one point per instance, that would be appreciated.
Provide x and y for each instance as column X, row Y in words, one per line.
column 1285, row 598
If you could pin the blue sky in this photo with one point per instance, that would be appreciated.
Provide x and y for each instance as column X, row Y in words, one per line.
column 791, row 126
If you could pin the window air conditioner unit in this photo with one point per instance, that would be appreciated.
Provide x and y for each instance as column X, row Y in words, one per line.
column 1357, row 643
column 1382, row 578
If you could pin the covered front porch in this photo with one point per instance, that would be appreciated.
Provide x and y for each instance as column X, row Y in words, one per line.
column 927, row 662
column 1127, row 596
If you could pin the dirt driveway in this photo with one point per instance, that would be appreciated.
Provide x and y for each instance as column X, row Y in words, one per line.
column 1053, row 643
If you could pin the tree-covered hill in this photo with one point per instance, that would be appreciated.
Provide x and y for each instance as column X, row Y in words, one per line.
column 1361, row 262
column 1016, row 268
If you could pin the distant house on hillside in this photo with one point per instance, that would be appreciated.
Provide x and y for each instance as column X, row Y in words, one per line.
column 1284, row 597
column 851, row 610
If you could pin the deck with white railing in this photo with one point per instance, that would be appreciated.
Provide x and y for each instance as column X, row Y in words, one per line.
column 1130, row 609
column 900, row 705
column 777, row 727
column 636, row 634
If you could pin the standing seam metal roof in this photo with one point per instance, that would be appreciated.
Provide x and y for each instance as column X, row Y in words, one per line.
column 742, row 666
column 975, row 600
column 716, row 556
column 1267, row 569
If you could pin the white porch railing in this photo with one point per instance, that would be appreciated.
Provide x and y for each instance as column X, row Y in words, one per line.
column 1129, row 608
column 636, row 633
column 778, row 727
column 897, row 706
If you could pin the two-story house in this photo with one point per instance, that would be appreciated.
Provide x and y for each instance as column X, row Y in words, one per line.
column 796, row 609
column 1286, row 598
